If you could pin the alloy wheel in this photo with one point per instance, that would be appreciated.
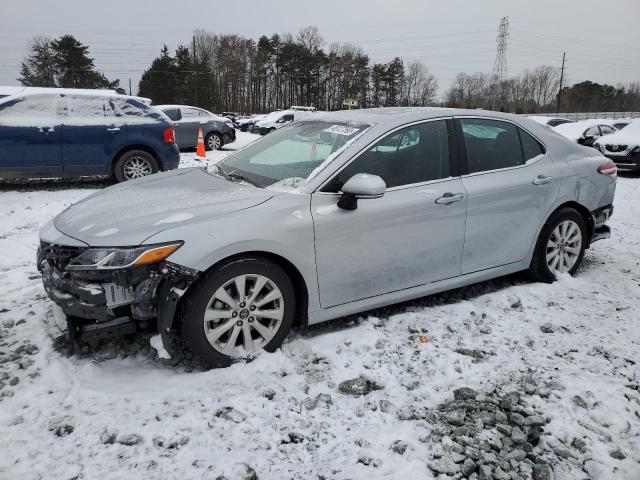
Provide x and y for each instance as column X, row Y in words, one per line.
column 214, row 142
column 243, row 315
column 564, row 246
column 137, row 167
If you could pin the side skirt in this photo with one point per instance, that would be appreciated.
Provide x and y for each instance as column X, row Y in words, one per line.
column 415, row 292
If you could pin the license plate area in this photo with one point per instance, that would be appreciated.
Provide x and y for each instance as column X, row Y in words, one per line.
column 116, row 295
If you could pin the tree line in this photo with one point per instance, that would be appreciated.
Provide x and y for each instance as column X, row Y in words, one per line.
column 235, row 73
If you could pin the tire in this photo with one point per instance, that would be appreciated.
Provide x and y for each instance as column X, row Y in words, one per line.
column 213, row 141
column 210, row 296
column 134, row 164
column 561, row 230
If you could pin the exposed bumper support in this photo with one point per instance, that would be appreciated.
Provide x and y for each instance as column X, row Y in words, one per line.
column 600, row 233
column 168, row 296
column 600, row 229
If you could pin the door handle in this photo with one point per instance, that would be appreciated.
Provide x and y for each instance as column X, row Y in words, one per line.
column 541, row 180
column 449, row 198
column 113, row 129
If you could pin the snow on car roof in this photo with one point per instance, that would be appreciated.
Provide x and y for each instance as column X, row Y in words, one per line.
column 575, row 130
column 73, row 91
column 543, row 119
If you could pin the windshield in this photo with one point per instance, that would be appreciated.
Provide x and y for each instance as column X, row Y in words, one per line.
column 286, row 157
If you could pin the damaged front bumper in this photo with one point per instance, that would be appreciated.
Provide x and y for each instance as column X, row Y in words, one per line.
column 101, row 304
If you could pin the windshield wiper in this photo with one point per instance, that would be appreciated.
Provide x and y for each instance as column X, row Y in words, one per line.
column 223, row 172
column 243, row 178
column 234, row 177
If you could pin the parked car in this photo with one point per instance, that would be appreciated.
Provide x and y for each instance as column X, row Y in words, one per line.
column 230, row 115
column 300, row 108
column 217, row 131
column 71, row 133
column 623, row 147
column 248, row 124
column 584, row 132
column 619, row 125
column 279, row 119
column 549, row 121
column 333, row 215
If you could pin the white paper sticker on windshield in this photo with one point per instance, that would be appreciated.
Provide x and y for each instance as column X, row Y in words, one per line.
column 341, row 130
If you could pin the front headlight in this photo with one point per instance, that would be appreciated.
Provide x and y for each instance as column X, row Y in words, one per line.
column 110, row 258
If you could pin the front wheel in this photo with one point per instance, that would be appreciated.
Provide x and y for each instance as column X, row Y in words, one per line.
column 134, row 164
column 560, row 247
column 244, row 306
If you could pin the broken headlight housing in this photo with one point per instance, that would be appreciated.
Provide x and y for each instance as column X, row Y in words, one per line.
column 112, row 258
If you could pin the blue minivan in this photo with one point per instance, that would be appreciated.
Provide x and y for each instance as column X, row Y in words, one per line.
column 64, row 133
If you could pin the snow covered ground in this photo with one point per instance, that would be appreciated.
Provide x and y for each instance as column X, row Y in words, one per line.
column 569, row 351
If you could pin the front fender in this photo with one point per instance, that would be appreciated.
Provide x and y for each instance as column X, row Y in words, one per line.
column 282, row 226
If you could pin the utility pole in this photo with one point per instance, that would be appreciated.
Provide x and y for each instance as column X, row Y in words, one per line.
column 195, row 73
column 561, row 81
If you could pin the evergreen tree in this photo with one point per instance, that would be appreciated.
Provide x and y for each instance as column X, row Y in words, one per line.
column 63, row 62
column 158, row 82
column 38, row 68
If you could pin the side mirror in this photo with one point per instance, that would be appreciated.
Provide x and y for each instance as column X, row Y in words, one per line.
column 361, row 185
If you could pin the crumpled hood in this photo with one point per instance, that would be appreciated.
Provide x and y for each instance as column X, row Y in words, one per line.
column 128, row 213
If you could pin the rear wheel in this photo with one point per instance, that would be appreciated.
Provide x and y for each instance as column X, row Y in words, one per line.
column 560, row 247
column 242, row 307
column 213, row 141
column 134, row 164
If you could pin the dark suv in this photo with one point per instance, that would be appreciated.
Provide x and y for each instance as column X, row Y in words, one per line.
column 67, row 134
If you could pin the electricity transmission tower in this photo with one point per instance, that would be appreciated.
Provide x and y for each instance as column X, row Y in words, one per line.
column 500, row 65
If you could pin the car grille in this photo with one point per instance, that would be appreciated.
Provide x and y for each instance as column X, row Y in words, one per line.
column 58, row 255
column 616, row 148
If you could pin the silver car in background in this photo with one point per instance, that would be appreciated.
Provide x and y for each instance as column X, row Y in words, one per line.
column 330, row 216
column 217, row 131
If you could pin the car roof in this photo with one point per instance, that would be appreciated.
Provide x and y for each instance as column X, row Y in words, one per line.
column 397, row 116
column 28, row 91
column 181, row 106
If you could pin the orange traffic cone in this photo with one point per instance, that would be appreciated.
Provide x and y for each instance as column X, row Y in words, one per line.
column 314, row 153
column 200, row 151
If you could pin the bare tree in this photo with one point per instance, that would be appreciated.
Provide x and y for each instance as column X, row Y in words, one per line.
column 310, row 38
column 420, row 86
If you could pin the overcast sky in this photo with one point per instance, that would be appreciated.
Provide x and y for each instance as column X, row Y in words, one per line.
column 601, row 38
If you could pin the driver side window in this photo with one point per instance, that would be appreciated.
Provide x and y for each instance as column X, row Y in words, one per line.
column 415, row 154
column 592, row 132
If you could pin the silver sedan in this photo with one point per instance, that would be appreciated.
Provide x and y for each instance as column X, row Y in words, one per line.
column 327, row 217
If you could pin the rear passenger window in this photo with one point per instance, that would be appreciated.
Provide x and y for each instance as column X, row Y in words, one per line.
column 531, row 148
column 491, row 144
column 190, row 113
column 415, row 154
column 135, row 111
column 87, row 108
column 172, row 113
